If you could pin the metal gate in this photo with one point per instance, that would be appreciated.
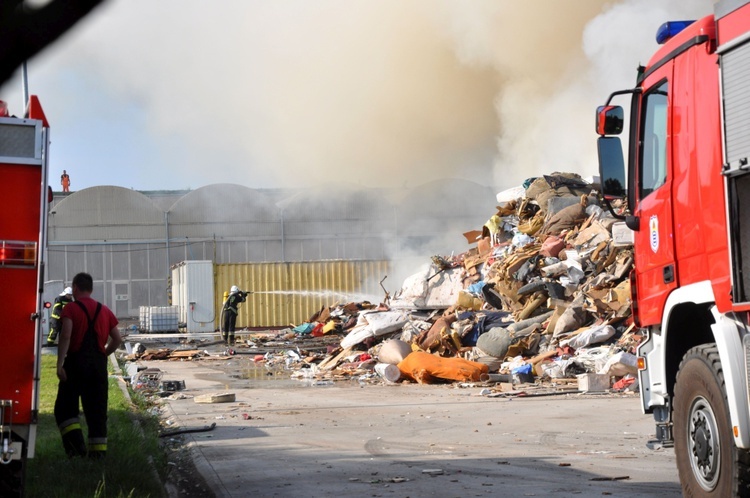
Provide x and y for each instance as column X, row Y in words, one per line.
column 121, row 297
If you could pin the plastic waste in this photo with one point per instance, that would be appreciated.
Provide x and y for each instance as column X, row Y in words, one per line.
column 620, row 364
column 523, row 369
column 521, row 240
column 388, row 371
column 591, row 336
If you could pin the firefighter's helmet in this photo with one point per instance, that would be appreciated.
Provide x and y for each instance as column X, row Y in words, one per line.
column 234, row 289
column 67, row 292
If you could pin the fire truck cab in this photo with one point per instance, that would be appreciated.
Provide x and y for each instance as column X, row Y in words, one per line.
column 688, row 193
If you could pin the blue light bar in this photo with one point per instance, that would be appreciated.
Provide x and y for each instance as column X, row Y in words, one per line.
column 670, row 29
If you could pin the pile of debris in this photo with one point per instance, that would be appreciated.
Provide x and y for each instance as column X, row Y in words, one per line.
column 544, row 294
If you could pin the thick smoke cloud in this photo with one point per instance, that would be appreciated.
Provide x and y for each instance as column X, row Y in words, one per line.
column 176, row 93
column 546, row 107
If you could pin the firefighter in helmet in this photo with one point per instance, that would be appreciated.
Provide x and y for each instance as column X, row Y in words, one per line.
column 55, row 324
column 229, row 313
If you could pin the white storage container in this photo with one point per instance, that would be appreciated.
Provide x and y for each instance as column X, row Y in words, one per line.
column 193, row 293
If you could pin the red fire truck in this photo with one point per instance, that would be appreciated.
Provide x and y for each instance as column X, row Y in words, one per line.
column 24, row 144
column 687, row 185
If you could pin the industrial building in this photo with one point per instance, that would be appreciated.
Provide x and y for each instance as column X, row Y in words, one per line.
column 128, row 240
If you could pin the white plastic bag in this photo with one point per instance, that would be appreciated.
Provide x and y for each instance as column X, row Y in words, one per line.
column 593, row 335
column 620, row 364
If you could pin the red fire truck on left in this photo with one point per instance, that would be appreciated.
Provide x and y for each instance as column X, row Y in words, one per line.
column 24, row 146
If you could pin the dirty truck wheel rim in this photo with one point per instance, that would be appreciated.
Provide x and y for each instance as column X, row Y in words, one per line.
column 703, row 441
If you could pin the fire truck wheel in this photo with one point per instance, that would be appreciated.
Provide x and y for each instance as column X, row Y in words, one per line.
column 709, row 463
column 12, row 478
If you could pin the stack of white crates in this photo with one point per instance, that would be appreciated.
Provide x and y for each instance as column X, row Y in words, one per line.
column 159, row 318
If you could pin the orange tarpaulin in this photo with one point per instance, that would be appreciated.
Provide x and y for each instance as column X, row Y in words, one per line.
column 427, row 368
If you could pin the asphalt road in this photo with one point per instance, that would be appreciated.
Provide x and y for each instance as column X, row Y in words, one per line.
column 290, row 438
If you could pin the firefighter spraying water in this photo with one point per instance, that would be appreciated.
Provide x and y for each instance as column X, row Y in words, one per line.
column 229, row 311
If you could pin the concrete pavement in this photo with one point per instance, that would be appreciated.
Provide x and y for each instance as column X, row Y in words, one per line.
column 288, row 438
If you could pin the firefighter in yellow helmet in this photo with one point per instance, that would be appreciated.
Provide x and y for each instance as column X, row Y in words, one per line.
column 229, row 313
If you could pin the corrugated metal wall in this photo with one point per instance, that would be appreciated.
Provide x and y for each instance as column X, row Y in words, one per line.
column 290, row 293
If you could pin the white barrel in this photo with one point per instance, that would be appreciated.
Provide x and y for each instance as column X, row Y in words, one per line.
column 388, row 372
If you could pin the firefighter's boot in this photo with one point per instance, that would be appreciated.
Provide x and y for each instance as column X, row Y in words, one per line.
column 73, row 443
column 97, row 448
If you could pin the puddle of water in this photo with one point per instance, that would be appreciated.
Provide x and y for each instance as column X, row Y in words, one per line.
column 261, row 373
column 260, row 376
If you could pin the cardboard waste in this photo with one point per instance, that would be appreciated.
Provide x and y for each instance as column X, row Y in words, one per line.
column 540, row 295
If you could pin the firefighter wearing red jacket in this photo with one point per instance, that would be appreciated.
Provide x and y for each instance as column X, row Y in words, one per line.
column 89, row 335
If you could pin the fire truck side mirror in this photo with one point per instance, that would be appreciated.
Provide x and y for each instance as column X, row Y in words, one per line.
column 49, row 195
column 611, row 167
column 609, row 120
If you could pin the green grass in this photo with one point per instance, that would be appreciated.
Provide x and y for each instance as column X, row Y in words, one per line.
column 133, row 450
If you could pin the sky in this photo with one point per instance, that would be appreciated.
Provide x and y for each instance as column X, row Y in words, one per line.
column 179, row 94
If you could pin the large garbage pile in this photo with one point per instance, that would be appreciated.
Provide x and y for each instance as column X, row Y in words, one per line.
column 542, row 293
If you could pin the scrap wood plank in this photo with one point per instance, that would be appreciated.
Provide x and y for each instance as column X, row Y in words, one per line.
column 331, row 362
column 215, row 398
column 185, row 353
column 156, row 354
column 214, row 357
column 542, row 357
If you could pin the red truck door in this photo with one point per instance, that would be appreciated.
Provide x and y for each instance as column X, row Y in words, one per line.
column 655, row 257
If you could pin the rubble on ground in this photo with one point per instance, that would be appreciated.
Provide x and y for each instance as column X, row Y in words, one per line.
column 541, row 297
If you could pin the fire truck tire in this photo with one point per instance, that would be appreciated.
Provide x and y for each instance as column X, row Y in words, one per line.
column 12, row 478
column 709, row 463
